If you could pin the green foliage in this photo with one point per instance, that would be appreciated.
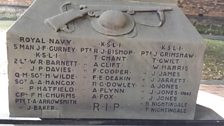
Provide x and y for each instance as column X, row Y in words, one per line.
column 213, row 68
column 5, row 25
column 5, row 15
column 210, row 29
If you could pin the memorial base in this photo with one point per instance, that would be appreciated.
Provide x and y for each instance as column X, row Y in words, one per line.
column 203, row 117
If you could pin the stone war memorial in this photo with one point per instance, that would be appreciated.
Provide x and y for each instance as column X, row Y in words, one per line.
column 104, row 59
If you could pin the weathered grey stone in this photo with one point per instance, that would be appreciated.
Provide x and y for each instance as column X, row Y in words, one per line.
column 61, row 66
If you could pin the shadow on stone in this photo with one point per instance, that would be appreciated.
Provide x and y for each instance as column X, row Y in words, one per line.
column 203, row 113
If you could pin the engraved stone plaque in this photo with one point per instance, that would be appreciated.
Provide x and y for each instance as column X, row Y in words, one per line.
column 103, row 59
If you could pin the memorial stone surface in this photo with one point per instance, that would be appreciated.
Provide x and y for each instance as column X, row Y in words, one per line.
column 103, row 59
